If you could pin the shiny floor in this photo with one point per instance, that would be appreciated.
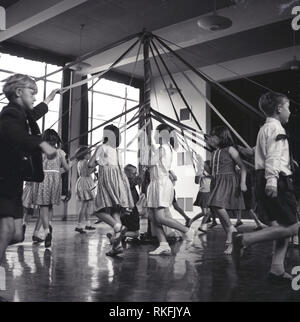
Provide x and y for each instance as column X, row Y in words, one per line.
column 77, row 269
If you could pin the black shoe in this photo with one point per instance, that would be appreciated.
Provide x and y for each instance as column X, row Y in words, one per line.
column 115, row 251
column 238, row 223
column 90, row 228
column 48, row 240
column 36, row 239
column 80, row 230
column 214, row 223
column 258, row 228
column 50, row 229
column 98, row 222
column 188, row 222
column 109, row 236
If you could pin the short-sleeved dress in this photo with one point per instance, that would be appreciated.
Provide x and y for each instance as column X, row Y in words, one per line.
column 113, row 187
column 48, row 192
column 160, row 192
column 225, row 186
column 84, row 187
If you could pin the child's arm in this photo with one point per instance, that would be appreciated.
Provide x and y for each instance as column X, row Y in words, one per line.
column 173, row 176
column 92, row 161
column 237, row 159
column 65, row 165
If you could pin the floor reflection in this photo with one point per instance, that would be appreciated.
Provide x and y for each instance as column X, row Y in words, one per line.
column 76, row 269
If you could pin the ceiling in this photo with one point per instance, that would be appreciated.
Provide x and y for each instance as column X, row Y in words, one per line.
column 260, row 39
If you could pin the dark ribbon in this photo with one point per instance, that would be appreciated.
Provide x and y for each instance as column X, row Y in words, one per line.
column 280, row 137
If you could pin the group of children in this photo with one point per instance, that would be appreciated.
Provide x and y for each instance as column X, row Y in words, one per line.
column 224, row 187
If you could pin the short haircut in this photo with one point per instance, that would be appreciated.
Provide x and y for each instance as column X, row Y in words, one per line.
column 18, row 81
column 268, row 102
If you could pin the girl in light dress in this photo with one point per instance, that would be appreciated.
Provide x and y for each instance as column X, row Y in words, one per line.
column 113, row 192
column 48, row 193
column 160, row 192
column 84, row 190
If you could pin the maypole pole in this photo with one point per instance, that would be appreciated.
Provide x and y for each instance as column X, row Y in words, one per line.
column 145, row 115
column 145, row 107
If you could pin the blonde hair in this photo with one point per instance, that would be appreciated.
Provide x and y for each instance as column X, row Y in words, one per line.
column 18, row 81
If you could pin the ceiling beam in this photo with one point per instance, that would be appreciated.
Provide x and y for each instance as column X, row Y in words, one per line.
column 44, row 14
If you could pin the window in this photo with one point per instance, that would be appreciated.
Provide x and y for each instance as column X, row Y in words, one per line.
column 185, row 203
column 10, row 65
column 184, row 114
column 184, row 158
column 106, row 100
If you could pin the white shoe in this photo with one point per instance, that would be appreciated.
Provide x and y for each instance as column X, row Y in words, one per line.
column 161, row 250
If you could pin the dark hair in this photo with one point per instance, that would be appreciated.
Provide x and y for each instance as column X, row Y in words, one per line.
column 81, row 152
column 268, row 102
column 224, row 135
column 52, row 137
column 128, row 166
column 114, row 138
column 173, row 138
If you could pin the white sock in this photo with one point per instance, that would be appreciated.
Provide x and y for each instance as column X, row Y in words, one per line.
column 47, row 232
column 88, row 223
column 2, row 279
column 79, row 225
column 164, row 244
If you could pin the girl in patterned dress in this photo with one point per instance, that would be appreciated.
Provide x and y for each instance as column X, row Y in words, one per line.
column 160, row 193
column 113, row 194
column 48, row 193
column 84, row 189
column 226, row 185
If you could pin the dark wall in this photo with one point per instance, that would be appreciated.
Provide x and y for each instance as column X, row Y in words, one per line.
column 287, row 82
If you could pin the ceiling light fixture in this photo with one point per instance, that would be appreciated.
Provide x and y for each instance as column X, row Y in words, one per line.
column 214, row 22
column 81, row 65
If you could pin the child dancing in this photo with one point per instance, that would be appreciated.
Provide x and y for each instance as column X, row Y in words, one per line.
column 113, row 194
column 160, row 191
column 226, row 185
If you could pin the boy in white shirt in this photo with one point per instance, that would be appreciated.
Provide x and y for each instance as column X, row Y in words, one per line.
column 274, row 186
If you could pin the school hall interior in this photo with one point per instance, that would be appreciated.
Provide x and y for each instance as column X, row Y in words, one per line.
column 135, row 64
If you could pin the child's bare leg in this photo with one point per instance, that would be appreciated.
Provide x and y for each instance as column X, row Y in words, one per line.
column 277, row 266
column 89, row 212
column 168, row 221
column 201, row 214
column 38, row 224
column 181, row 212
column 270, row 233
column 44, row 213
column 82, row 211
column 228, row 227
column 255, row 218
column 163, row 248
